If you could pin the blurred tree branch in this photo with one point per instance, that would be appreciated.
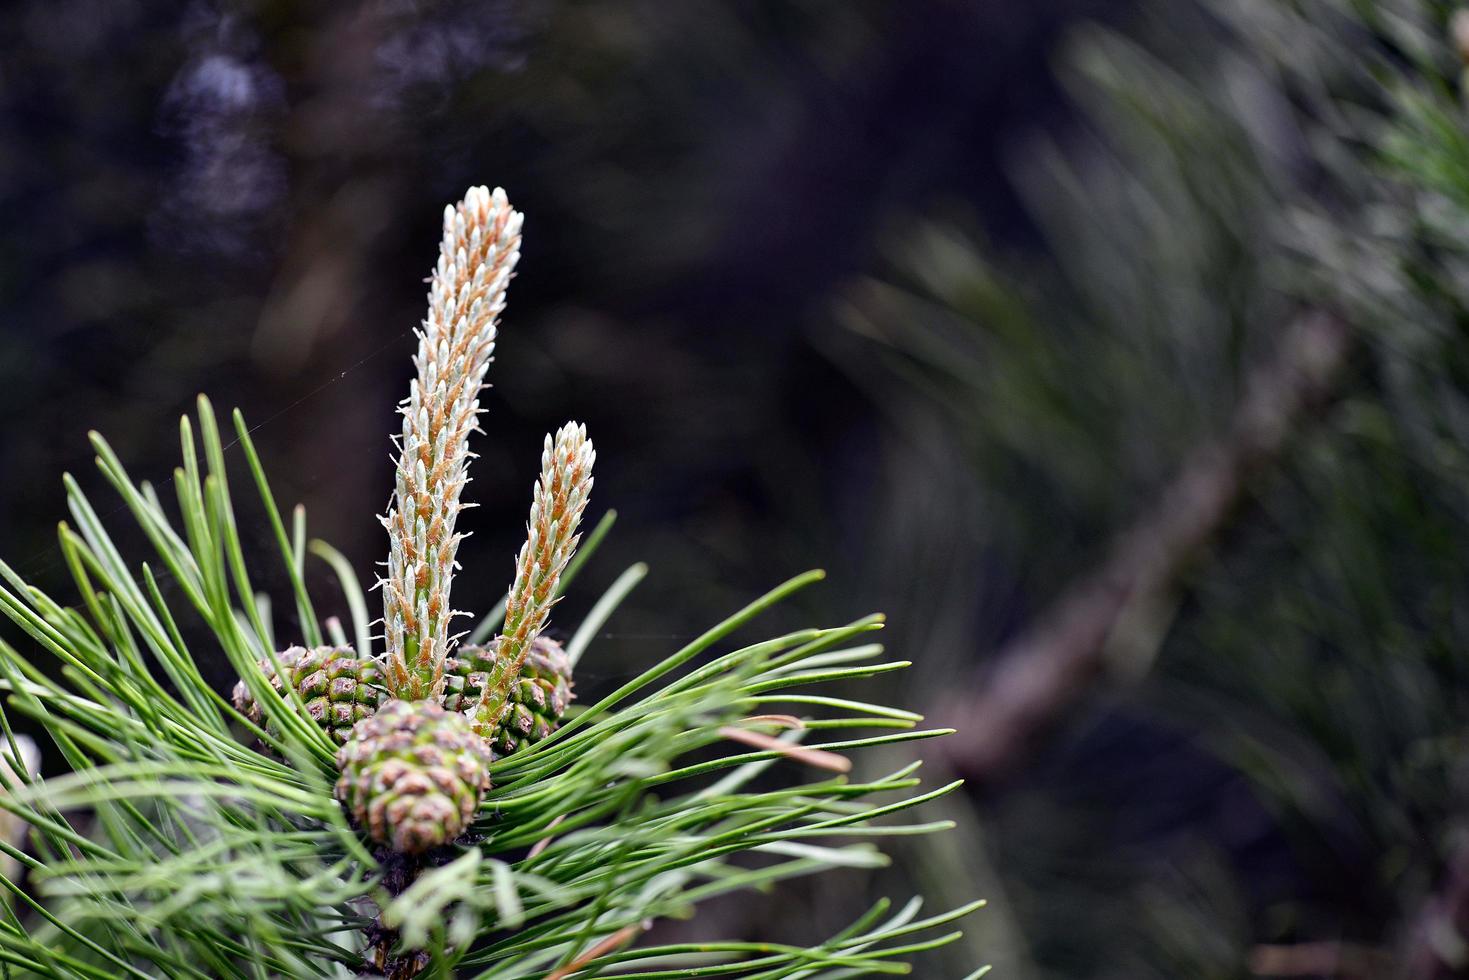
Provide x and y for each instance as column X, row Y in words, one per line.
column 1053, row 663
column 1438, row 949
column 1320, row 959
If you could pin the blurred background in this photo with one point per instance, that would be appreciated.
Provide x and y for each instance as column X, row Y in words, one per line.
column 1118, row 351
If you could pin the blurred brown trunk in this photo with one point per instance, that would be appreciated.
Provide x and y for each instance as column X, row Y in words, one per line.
column 1053, row 663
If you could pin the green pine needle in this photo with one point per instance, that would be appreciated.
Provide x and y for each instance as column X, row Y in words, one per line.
column 172, row 846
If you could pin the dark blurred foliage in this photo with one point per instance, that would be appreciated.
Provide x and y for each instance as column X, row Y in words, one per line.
column 1267, row 772
column 243, row 200
column 935, row 294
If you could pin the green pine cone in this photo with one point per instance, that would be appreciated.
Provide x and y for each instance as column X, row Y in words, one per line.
column 339, row 688
column 537, row 701
column 413, row 774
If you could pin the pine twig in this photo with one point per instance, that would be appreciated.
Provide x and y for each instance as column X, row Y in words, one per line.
column 479, row 251
column 815, row 758
column 615, row 941
column 1051, row 665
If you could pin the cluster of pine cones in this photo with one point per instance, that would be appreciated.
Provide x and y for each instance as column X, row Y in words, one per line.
column 413, row 773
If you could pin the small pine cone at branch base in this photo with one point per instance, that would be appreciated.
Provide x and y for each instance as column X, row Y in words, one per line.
column 413, row 774
column 538, row 699
column 338, row 687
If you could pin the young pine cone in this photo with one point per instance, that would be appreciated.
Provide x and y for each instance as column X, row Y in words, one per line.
column 537, row 700
column 338, row 687
column 413, row 774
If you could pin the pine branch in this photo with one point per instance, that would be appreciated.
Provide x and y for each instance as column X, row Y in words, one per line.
column 1055, row 662
column 172, row 845
column 479, row 251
